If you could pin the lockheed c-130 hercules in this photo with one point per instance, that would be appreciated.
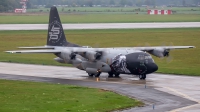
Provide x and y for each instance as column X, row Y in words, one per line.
column 114, row 61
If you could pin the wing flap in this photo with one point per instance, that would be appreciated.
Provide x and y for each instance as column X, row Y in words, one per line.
column 34, row 51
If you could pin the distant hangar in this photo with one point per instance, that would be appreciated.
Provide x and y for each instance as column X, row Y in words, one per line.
column 159, row 12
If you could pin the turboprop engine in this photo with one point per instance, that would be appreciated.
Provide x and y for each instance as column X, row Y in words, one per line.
column 69, row 57
column 59, row 60
column 92, row 55
column 160, row 52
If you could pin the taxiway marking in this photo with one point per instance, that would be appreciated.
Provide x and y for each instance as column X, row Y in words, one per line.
column 184, row 96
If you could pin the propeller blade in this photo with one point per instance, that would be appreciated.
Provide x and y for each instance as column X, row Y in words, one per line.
column 169, row 59
column 147, row 44
column 163, row 44
column 171, row 44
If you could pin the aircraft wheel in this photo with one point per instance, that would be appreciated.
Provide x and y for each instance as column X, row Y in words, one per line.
column 117, row 75
column 142, row 76
column 90, row 75
column 110, row 74
column 97, row 74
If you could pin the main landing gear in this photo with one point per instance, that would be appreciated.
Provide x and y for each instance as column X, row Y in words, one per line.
column 96, row 75
column 110, row 74
column 142, row 76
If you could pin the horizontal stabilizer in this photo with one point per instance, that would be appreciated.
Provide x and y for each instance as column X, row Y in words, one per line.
column 38, row 47
column 35, row 51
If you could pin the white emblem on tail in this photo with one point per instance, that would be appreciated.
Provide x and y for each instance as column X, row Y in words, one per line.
column 54, row 34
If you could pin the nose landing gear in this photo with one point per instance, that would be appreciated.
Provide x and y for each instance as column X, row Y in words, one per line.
column 142, row 76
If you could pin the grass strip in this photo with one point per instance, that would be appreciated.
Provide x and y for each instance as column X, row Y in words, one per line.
column 184, row 62
column 21, row 96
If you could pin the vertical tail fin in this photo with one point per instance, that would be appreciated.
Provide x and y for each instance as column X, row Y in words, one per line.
column 55, row 36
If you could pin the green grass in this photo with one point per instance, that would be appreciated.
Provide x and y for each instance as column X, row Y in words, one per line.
column 184, row 61
column 98, row 18
column 20, row 96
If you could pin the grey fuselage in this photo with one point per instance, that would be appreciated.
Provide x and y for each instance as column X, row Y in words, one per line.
column 114, row 60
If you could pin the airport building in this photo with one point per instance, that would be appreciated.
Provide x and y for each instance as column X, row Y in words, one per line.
column 159, row 12
column 23, row 9
column 20, row 10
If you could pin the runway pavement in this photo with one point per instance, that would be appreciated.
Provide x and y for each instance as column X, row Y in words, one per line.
column 102, row 26
column 164, row 92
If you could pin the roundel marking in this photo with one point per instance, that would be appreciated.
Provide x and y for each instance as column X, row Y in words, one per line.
column 55, row 31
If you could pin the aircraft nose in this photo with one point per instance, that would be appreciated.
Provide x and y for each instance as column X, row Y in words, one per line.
column 140, row 62
column 152, row 67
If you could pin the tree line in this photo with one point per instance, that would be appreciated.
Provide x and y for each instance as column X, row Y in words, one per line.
column 10, row 5
column 113, row 2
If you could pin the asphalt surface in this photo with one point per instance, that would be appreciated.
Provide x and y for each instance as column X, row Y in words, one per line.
column 102, row 26
column 163, row 92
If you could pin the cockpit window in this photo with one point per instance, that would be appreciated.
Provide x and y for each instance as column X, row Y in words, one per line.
column 150, row 58
column 141, row 57
column 145, row 57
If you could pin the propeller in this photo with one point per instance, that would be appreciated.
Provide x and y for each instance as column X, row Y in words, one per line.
column 100, row 51
column 74, row 59
column 98, row 54
column 147, row 44
column 139, row 45
column 72, row 55
column 169, row 58
column 166, row 52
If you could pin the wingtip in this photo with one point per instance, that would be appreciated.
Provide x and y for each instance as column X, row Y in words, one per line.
column 8, row 52
column 12, row 52
column 192, row 47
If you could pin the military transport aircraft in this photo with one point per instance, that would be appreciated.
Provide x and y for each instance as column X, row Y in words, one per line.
column 114, row 61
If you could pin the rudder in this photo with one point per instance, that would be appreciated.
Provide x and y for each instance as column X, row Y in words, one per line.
column 56, row 35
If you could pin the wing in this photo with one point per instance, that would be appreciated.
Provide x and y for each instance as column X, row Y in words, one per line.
column 35, row 51
column 162, row 47
column 159, row 51
column 162, row 51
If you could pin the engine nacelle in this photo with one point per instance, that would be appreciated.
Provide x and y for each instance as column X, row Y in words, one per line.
column 160, row 52
column 69, row 57
column 66, row 56
column 92, row 55
column 59, row 60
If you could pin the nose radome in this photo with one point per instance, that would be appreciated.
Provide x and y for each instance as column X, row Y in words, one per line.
column 152, row 67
